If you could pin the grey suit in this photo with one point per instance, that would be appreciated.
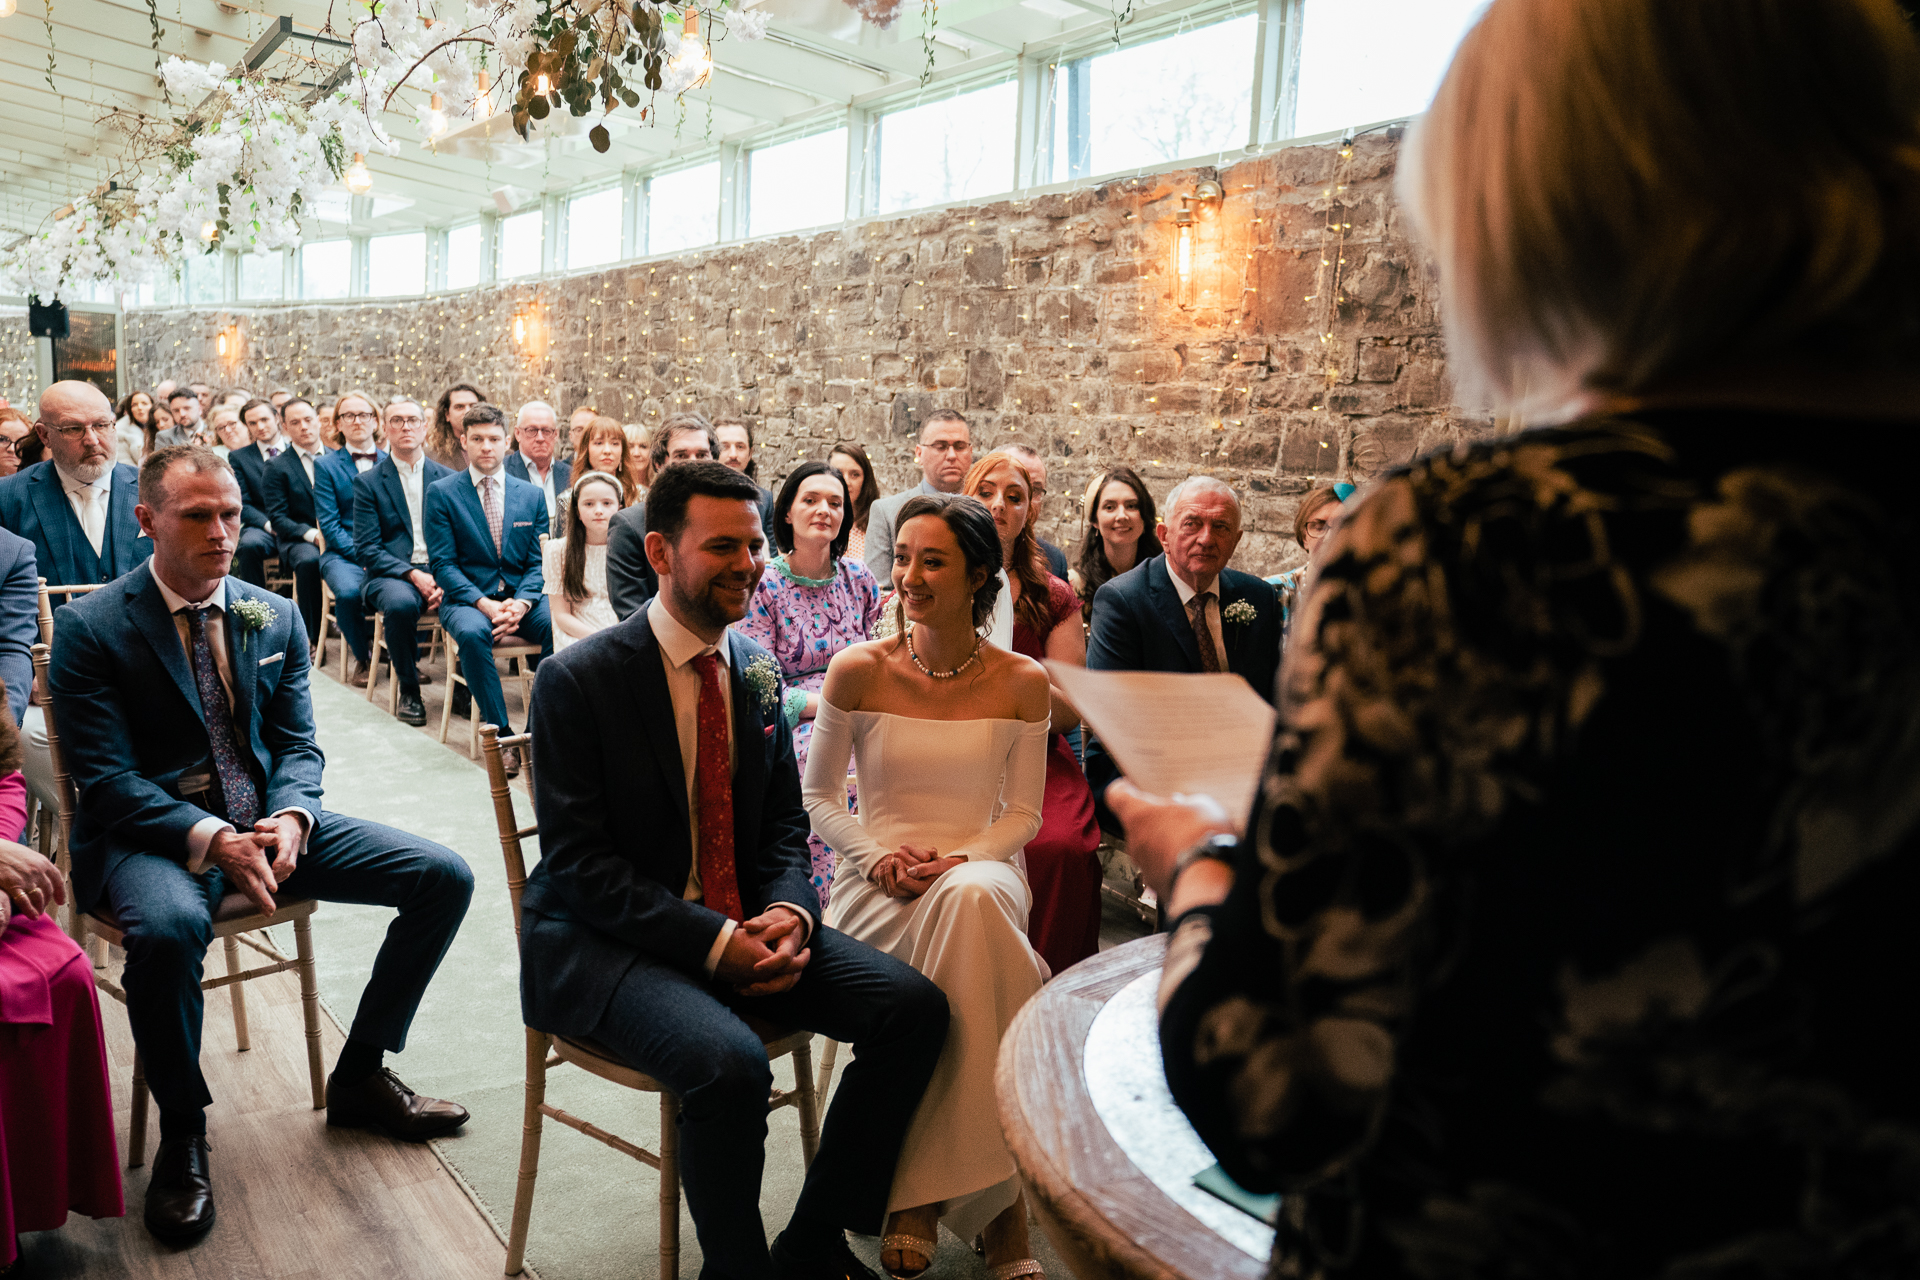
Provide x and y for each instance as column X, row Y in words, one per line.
column 880, row 521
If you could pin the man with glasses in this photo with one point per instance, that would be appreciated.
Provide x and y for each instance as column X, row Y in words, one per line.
column 333, row 481
column 390, row 541
column 536, row 431
column 249, row 463
column 631, row 580
column 78, row 510
column 944, row 453
column 14, row 427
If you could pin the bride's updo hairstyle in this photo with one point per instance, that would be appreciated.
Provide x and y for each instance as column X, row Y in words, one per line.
column 979, row 540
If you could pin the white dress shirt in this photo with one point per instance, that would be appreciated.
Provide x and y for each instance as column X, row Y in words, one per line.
column 544, row 481
column 279, row 444
column 1186, row 594
column 93, row 520
column 678, row 648
column 200, row 837
column 413, row 485
column 306, row 464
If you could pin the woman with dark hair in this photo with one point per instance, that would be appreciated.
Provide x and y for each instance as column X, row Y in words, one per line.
column 813, row 601
column 1119, row 532
column 951, row 737
column 130, row 433
column 1572, row 928
column 1313, row 522
column 850, row 460
column 575, row 564
column 449, row 415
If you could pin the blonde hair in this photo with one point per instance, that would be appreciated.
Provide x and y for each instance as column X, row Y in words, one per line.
column 1619, row 191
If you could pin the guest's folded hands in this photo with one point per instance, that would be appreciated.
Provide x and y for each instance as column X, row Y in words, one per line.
column 244, row 857
column 29, row 881
column 287, row 836
column 763, row 956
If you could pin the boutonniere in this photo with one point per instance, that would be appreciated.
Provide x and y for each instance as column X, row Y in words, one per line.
column 1240, row 611
column 254, row 615
column 763, row 677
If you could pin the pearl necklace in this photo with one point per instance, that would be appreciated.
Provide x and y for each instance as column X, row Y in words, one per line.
column 941, row 675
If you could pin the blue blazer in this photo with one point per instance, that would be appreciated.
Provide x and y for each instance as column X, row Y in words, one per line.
column 250, row 469
column 382, row 526
column 333, row 478
column 290, row 499
column 616, row 839
column 19, row 619
column 464, row 562
column 516, row 466
column 34, row 505
column 130, row 721
column 1139, row 625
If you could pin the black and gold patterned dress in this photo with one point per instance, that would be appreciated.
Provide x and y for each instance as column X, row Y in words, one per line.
column 1578, row 929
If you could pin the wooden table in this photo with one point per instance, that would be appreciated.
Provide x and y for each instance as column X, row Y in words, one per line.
column 1107, row 1212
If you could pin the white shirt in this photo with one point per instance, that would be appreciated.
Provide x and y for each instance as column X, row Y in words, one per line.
column 543, row 480
column 279, row 444
column 200, row 836
column 678, row 648
column 1186, row 594
column 102, row 490
column 306, row 464
column 499, row 478
column 413, row 485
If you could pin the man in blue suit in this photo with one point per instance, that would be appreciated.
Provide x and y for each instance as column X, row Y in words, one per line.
column 19, row 622
column 292, row 480
column 483, row 532
column 537, row 431
column 390, row 538
column 250, row 468
column 1185, row 611
column 656, row 926
column 333, row 481
column 77, row 506
column 181, row 696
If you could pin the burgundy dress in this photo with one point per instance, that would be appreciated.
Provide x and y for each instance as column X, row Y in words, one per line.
column 1062, row 868
column 56, row 1111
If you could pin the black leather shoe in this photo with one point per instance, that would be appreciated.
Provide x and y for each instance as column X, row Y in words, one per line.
column 381, row 1101
column 462, row 700
column 180, row 1193
column 412, row 710
column 510, row 761
column 839, row 1263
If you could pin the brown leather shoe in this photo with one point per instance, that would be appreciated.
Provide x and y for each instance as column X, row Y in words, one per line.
column 381, row 1101
column 359, row 676
column 180, row 1193
column 510, row 761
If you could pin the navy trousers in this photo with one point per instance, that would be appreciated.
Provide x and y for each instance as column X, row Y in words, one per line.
column 473, row 635
column 401, row 603
column 348, row 580
column 302, row 560
column 250, row 556
column 683, row 1030
column 169, row 925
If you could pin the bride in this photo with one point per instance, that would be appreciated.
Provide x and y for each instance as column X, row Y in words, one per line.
column 950, row 735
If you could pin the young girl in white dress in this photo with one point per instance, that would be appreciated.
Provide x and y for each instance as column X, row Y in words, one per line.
column 576, row 565
column 950, row 735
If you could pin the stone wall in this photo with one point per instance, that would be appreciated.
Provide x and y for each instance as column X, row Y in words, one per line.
column 1304, row 348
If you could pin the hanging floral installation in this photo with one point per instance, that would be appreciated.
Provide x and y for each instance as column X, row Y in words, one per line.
column 241, row 168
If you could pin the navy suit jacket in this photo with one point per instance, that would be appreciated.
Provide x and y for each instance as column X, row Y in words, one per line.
column 516, row 466
column 250, row 468
column 616, row 839
column 333, row 478
column 1139, row 625
column 291, row 510
column 34, row 505
column 464, row 562
column 19, row 619
column 128, row 711
column 382, row 526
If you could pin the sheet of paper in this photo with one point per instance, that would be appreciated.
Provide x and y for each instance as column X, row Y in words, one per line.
column 1173, row 732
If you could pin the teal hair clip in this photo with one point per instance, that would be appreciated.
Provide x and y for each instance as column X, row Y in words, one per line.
column 1343, row 491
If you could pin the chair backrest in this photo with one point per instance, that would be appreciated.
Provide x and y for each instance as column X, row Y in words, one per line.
column 511, row 832
column 62, row 781
column 46, row 603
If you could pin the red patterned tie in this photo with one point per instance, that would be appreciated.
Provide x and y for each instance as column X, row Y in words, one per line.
column 714, row 765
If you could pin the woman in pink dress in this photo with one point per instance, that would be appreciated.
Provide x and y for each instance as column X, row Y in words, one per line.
column 56, row 1111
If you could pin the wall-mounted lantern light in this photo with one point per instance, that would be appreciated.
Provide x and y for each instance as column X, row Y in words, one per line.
column 1205, row 192
column 227, row 343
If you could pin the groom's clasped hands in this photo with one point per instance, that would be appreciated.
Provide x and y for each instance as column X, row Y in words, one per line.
column 764, row 956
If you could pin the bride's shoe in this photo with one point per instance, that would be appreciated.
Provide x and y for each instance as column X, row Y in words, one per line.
column 1014, row 1270
column 907, row 1245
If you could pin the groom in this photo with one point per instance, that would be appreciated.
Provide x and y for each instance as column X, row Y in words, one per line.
column 673, row 895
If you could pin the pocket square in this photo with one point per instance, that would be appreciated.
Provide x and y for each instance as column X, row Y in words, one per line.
column 767, row 732
column 523, row 524
column 275, row 658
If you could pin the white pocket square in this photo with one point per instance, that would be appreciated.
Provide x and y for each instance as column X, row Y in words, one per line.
column 523, row 524
column 275, row 658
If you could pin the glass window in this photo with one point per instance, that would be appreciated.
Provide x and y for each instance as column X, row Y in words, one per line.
column 326, row 269
column 520, row 240
column 952, row 150
column 593, row 228
column 797, row 184
column 1186, row 96
column 162, row 290
column 203, row 278
column 463, row 256
column 1349, row 75
column 683, row 209
column 397, row 264
column 262, row 277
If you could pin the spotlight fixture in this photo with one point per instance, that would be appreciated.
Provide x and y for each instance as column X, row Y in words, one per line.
column 359, row 179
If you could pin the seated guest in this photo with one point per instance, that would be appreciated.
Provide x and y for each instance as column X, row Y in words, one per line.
column 160, row 420
column 291, row 481
column 19, row 623
column 195, row 763
column 449, row 418
column 334, row 475
column 577, row 423
column 228, row 431
column 204, row 394
column 1312, row 522
column 1116, row 533
column 536, row 438
column 1592, row 802
column 187, row 412
column 639, row 464
column 279, row 401
column 813, row 601
column 943, row 453
column 850, row 460
column 15, row 428
column 78, row 512
column 603, row 448
column 249, row 463
column 671, row 897
column 390, row 542
column 736, row 450
column 685, row 437
column 1185, row 610
column 483, row 532
column 1036, row 468
column 130, row 430
column 575, row 567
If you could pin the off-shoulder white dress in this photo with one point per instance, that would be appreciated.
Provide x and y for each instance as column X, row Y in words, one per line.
column 966, row 787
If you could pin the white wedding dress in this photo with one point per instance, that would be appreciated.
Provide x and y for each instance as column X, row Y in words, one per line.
column 967, row 787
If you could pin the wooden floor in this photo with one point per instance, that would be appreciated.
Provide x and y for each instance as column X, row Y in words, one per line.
column 295, row 1199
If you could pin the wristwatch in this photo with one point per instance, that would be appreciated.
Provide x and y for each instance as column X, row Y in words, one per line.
column 1218, row 847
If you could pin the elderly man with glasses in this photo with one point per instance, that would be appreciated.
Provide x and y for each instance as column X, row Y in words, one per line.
column 536, row 434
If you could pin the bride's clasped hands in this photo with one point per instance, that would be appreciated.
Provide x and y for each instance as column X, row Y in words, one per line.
column 910, row 870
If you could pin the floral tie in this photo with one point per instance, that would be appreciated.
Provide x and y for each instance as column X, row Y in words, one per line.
column 238, row 795
column 713, row 764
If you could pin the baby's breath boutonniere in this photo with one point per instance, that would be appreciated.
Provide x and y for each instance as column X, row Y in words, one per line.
column 254, row 615
column 763, row 677
column 1240, row 611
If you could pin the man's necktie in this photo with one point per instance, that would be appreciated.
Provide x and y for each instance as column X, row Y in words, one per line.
column 1203, row 634
column 490, row 504
column 272, row 451
column 238, row 795
column 365, row 457
column 714, row 765
column 93, row 517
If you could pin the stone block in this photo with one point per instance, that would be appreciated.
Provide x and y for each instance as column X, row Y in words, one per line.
column 1143, row 366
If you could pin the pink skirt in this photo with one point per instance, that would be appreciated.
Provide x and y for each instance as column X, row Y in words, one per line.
column 57, row 1152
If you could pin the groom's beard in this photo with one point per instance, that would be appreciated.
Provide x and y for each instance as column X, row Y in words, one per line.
column 707, row 606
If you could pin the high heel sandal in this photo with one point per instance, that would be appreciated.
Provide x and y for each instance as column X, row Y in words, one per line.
column 1014, row 1270
column 906, row 1244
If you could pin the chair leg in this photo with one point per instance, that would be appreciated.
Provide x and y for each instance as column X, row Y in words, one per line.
column 373, row 654
column 669, row 1186
column 453, row 682
column 530, row 1126
column 239, row 993
column 310, row 1007
column 808, row 1103
column 320, row 645
column 826, row 1074
column 137, row 1125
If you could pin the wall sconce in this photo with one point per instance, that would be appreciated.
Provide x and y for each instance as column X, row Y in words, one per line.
column 528, row 336
column 1206, row 192
column 227, row 343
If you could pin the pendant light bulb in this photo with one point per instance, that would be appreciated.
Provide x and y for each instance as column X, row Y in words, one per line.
column 7, row 8
column 359, row 179
column 209, row 230
column 543, row 86
column 692, row 63
column 436, row 120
